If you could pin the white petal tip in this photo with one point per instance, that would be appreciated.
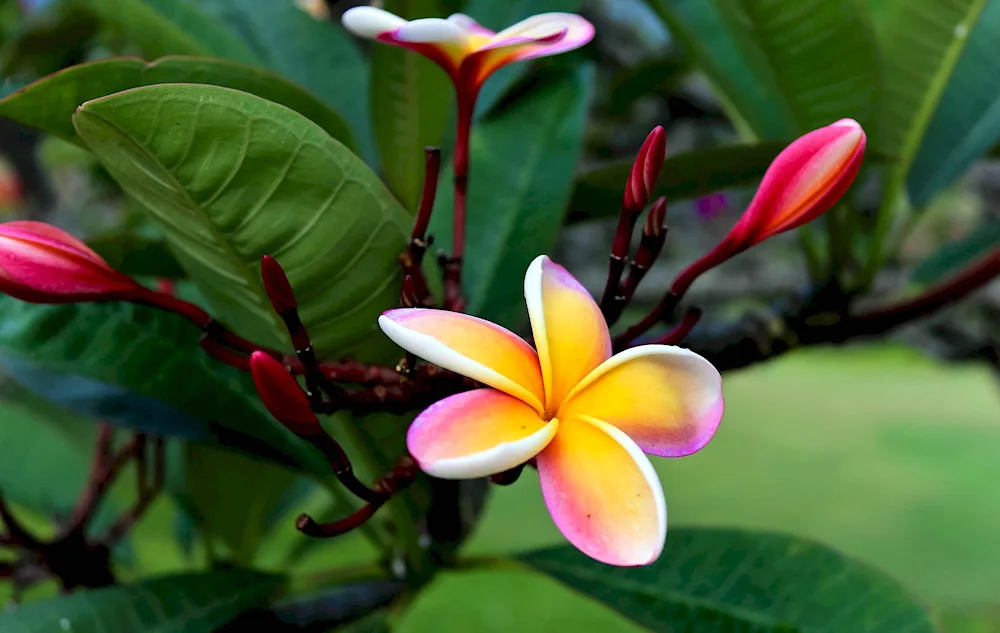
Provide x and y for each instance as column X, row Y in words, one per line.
column 370, row 22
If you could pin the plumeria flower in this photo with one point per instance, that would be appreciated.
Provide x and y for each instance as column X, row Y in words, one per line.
column 584, row 415
column 467, row 51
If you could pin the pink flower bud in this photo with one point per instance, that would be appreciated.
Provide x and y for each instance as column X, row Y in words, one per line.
column 803, row 182
column 645, row 170
column 42, row 264
column 282, row 395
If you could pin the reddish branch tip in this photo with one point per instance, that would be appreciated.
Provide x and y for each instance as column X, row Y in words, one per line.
column 645, row 171
column 656, row 221
column 282, row 395
column 432, row 168
column 682, row 329
column 276, row 284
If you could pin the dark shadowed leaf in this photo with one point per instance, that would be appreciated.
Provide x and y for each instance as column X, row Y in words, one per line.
column 520, row 176
column 230, row 177
column 966, row 123
column 190, row 603
column 44, row 453
column 141, row 368
column 171, row 27
column 231, row 497
column 313, row 53
column 715, row 580
column 411, row 102
column 599, row 190
column 49, row 103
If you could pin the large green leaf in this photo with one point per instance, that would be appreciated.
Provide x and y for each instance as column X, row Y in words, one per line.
column 171, row 27
column 231, row 497
column 49, row 103
column 921, row 41
column 230, row 177
column 189, row 603
column 966, row 123
column 137, row 256
column 141, row 368
column 599, row 190
column 411, row 101
column 953, row 257
column 821, row 54
column 313, row 53
column 498, row 16
column 715, row 580
column 521, row 173
column 44, row 455
column 749, row 95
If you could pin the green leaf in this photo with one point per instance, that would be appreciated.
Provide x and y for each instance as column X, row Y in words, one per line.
column 315, row 54
column 498, row 16
column 599, row 190
column 714, row 580
column 141, row 368
column 521, row 171
column 411, row 101
column 966, row 123
column 171, row 27
column 821, row 54
column 747, row 92
column 230, row 177
column 957, row 255
column 49, row 103
column 44, row 455
column 189, row 603
column 231, row 497
column 137, row 256
column 921, row 41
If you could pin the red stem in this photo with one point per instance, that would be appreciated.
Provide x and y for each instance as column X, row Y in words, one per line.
column 460, row 162
column 977, row 275
column 681, row 330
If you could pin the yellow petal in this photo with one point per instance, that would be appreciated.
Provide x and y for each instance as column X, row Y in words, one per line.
column 570, row 333
column 667, row 399
column 603, row 493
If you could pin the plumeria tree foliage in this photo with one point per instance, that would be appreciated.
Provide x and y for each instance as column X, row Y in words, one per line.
column 268, row 326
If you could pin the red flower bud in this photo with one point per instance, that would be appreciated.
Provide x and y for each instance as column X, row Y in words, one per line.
column 802, row 183
column 645, row 171
column 282, row 395
column 276, row 284
column 42, row 264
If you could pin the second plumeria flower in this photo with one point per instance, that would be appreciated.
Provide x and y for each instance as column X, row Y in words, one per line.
column 584, row 415
column 467, row 51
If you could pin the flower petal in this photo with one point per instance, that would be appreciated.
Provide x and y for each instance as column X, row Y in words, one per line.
column 537, row 36
column 477, row 434
column 370, row 22
column 570, row 332
column 469, row 346
column 470, row 26
column 667, row 399
column 603, row 493
column 432, row 31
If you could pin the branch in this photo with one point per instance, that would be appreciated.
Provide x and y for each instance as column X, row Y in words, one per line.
column 147, row 495
column 102, row 475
